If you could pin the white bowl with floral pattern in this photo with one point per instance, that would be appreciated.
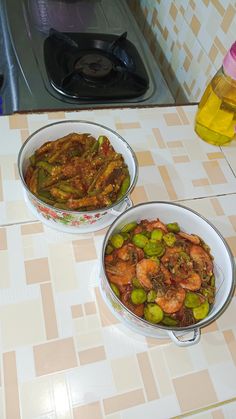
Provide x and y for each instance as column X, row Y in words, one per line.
column 69, row 220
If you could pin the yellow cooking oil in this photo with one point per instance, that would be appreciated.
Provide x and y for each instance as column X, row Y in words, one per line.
column 215, row 120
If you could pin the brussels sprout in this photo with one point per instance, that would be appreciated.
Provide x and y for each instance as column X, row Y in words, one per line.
column 146, row 233
column 157, row 234
column 109, row 249
column 153, row 313
column 201, row 311
column 115, row 289
column 169, row 321
column 151, row 296
column 136, row 283
column 138, row 296
column 129, row 227
column 154, row 248
column 173, row 227
column 192, row 300
column 169, row 239
column 126, row 236
column 117, row 240
column 139, row 240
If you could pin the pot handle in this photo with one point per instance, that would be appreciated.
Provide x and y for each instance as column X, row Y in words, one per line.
column 182, row 342
column 127, row 204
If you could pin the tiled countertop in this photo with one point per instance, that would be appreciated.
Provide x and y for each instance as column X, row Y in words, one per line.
column 64, row 355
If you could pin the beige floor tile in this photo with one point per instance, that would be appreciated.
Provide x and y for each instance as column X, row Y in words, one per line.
column 54, row 356
column 192, row 400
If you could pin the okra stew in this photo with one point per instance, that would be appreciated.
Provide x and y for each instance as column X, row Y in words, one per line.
column 78, row 172
column 160, row 273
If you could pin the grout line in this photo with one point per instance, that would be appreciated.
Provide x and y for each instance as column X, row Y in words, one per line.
column 204, row 409
column 205, row 197
column 19, row 223
column 225, row 157
column 176, row 200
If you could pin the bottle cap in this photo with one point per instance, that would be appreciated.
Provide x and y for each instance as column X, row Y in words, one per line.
column 229, row 62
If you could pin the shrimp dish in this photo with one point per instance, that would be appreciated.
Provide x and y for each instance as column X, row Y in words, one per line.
column 160, row 273
column 78, row 173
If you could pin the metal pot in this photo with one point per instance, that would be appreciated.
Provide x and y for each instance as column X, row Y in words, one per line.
column 224, row 269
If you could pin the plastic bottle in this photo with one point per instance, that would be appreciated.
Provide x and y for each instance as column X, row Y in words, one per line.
column 215, row 120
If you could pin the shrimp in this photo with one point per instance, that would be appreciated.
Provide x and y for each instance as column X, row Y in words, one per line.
column 146, row 270
column 109, row 258
column 166, row 274
column 191, row 237
column 202, row 261
column 177, row 261
column 138, row 229
column 151, row 225
column 130, row 252
column 120, row 272
column 172, row 300
column 171, row 253
column 192, row 283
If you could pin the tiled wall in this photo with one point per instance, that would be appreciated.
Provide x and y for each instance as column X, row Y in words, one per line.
column 188, row 38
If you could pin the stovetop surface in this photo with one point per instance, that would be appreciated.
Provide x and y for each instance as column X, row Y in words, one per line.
column 29, row 23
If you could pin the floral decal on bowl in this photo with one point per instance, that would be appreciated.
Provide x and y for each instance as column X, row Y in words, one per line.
column 67, row 218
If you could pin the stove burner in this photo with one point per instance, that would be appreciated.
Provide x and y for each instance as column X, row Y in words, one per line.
column 94, row 66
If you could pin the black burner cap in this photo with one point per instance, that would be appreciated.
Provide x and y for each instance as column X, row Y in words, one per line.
column 94, row 65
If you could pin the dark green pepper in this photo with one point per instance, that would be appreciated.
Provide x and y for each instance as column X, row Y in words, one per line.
column 124, row 187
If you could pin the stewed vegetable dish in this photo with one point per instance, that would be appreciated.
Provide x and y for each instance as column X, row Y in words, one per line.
column 78, row 172
column 160, row 273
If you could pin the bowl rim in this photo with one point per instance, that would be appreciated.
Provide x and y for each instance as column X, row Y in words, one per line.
column 74, row 212
column 201, row 323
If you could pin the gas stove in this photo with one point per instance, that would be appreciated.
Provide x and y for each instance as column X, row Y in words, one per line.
column 94, row 66
column 76, row 55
